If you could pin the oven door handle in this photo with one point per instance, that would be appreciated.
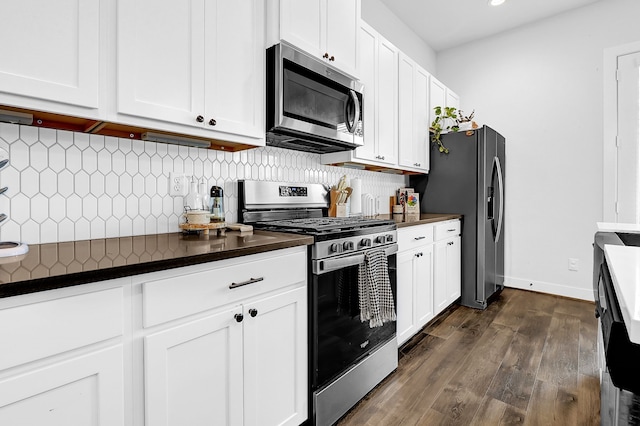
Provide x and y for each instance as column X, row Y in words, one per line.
column 329, row 265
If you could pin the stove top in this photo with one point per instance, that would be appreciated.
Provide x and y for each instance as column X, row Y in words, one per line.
column 319, row 224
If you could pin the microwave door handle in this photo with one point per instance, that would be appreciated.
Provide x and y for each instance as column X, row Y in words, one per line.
column 351, row 127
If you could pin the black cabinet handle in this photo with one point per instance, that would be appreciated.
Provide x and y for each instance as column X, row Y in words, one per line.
column 253, row 312
column 199, row 119
column 326, row 55
column 212, row 122
column 249, row 281
column 238, row 317
column 332, row 58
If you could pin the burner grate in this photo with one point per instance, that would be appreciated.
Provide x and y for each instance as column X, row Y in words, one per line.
column 326, row 223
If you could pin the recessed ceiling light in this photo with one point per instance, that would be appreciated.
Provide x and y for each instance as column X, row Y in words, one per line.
column 496, row 2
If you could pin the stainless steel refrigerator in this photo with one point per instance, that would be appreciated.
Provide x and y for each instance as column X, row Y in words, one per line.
column 470, row 181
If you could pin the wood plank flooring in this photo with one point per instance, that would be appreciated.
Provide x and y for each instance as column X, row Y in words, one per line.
column 529, row 359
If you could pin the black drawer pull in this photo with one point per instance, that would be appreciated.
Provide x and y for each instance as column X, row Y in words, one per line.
column 249, row 281
column 419, row 238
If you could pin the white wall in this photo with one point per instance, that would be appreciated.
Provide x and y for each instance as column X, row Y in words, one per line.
column 541, row 86
column 376, row 14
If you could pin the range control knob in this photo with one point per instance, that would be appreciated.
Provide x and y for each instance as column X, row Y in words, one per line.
column 390, row 238
column 365, row 242
column 335, row 248
column 348, row 245
column 380, row 239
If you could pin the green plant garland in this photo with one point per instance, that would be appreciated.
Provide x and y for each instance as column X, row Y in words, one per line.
column 439, row 124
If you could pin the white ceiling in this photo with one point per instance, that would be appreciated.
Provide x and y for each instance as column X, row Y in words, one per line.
column 443, row 24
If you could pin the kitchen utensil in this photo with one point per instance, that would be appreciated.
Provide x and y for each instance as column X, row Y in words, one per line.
column 217, row 204
column 193, row 200
column 356, row 197
column 240, row 227
column 197, row 217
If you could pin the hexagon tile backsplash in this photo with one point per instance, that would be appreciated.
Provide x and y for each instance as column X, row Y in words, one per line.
column 66, row 186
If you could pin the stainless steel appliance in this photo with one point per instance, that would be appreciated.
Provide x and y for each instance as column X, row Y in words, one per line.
column 347, row 358
column 311, row 106
column 620, row 375
column 470, row 180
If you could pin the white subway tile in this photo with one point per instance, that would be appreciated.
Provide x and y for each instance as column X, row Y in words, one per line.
column 91, row 186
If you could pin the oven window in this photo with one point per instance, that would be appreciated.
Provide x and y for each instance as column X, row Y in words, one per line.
column 341, row 339
column 310, row 97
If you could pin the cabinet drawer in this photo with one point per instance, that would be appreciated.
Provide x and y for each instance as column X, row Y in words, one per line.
column 414, row 236
column 192, row 292
column 38, row 330
column 447, row 229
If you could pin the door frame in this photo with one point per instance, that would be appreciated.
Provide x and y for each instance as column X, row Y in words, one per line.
column 610, row 117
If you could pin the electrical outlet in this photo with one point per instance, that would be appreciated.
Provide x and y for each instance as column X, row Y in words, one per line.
column 573, row 264
column 178, row 185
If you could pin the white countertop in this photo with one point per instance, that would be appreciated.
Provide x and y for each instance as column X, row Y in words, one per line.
column 618, row 227
column 624, row 265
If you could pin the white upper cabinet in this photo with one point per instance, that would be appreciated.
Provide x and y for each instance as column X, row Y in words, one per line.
column 50, row 56
column 437, row 96
column 452, row 99
column 378, row 70
column 194, row 63
column 413, row 115
column 327, row 29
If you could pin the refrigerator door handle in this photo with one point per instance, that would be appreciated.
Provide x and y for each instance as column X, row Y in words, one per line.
column 501, row 189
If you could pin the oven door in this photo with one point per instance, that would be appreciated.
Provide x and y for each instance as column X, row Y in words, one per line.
column 339, row 338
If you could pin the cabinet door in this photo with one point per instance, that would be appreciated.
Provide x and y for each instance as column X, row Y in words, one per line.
column 413, row 115
column 406, row 94
column 193, row 373
column 160, row 51
column 275, row 354
column 387, row 103
column 421, row 123
column 300, row 24
column 440, row 269
column 50, row 52
column 234, row 68
column 452, row 99
column 437, row 96
column 367, row 70
column 454, row 271
column 405, row 324
column 423, row 282
column 86, row 390
column 342, row 23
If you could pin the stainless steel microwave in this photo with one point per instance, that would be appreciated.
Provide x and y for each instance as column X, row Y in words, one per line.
column 311, row 106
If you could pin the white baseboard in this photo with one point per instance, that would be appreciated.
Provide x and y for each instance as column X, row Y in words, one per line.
column 551, row 288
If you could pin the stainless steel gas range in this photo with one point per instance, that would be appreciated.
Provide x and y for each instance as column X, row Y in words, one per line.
column 347, row 356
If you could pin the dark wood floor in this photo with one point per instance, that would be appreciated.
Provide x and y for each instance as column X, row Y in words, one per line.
column 529, row 358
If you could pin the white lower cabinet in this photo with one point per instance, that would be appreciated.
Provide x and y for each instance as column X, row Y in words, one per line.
column 447, row 265
column 86, row 390
column 191, row 373
column 234, row 349
column 415, row 280
column 63, row 357
column 428, row 274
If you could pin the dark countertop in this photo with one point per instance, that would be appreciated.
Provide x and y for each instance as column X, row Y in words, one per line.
column 425, row 218
column 57, row 265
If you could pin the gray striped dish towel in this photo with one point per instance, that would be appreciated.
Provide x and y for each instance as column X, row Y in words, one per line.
column 374, row 289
